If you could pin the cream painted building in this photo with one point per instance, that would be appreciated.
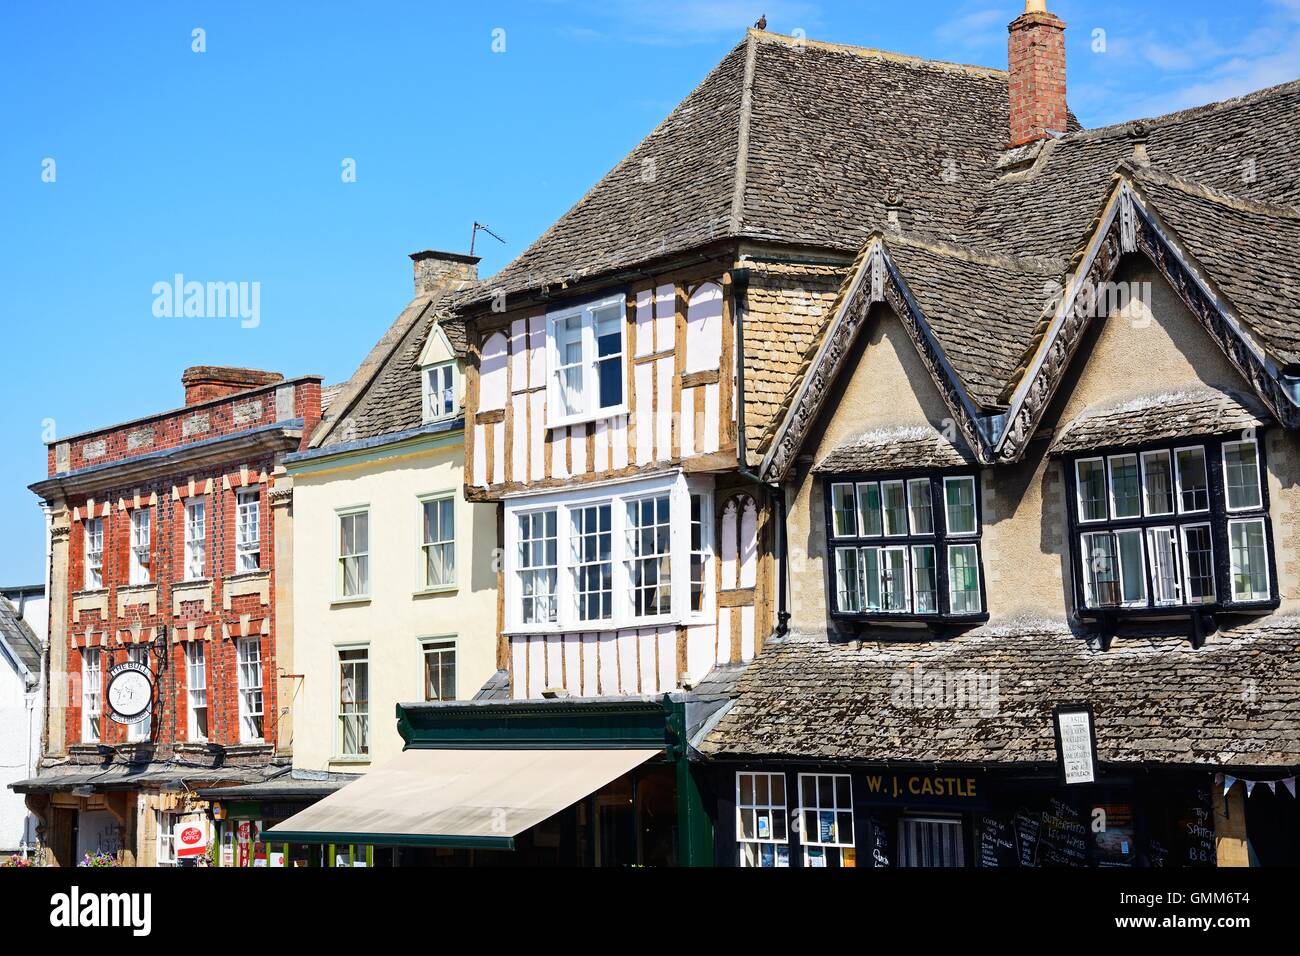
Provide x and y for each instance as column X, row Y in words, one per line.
column 395, row 598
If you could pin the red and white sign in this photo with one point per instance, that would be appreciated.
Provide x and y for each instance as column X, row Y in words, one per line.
column 192, row 838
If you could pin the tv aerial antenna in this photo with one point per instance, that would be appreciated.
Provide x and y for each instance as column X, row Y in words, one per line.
column 474, row 235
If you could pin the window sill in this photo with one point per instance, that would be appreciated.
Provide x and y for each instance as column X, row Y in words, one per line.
column 349, row 601
column 444, row 589
column 351, row 761
column 138, row 588
column 592, row 627
column 587, row 418
column 249, row 575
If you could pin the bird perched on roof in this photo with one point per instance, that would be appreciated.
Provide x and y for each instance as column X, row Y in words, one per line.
column 762, row 22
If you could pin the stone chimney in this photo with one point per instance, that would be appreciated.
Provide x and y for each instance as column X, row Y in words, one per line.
column 438, row 272
column 203, row 383
column 1036, row 62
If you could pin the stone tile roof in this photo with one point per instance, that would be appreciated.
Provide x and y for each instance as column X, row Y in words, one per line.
column 895, row 449
column 1234, row 702
column 1250, row 249
column 1159, row 416
column 984, row 309
column 21, row 641
column 384, row 395
column 787, row 140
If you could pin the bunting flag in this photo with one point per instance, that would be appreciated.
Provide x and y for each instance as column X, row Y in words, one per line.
column 1226, row 782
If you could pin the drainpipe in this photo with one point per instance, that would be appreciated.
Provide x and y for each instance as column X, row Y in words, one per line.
column 782, row 563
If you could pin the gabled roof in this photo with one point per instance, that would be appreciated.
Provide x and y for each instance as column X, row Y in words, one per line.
column 885, row 450
column 1155, row 698
column 384, row 395
column 786, row 140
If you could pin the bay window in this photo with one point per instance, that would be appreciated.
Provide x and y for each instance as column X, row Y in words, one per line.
column 904, row 547
column 609, row 556
column 585, row 349
column 1157, row 528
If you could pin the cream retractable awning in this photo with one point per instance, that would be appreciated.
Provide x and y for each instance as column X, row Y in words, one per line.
column 464, row 798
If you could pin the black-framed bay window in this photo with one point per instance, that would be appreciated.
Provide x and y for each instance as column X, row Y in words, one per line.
column 1179, row 524
column 904, row 547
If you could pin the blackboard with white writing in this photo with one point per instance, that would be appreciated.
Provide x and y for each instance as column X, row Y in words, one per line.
column 881, row 851
column 995, row 841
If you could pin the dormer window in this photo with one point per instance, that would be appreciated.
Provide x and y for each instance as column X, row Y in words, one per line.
column 440, row 400
column 1171, row 527
column 904, row 547
column 585, row 350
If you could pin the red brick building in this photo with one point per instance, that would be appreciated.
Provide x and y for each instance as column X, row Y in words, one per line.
column 169, row 557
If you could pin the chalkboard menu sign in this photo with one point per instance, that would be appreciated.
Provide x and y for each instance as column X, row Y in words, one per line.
column 881, row 851
column 1194, row 830
column 1025, row 827
column 1062, row 836
column 995, row 841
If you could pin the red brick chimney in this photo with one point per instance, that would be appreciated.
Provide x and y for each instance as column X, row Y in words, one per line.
column 203, row 383
column 1036, row 62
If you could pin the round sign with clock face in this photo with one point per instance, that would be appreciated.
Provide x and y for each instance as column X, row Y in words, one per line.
column 130, row 692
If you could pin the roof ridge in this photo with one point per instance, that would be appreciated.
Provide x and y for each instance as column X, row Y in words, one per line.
column 1178, row 116
column 1035, row 264
column 742, row 134
column 471, row 296
column 903, row 59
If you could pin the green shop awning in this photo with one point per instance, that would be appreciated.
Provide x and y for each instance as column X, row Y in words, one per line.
column 459, row 798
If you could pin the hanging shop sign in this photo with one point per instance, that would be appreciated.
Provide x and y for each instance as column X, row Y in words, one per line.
column 1076, row 743
column 192, row 837
column 130, row 692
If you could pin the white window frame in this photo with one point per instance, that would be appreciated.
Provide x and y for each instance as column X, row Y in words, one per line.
column 901, row 486
column 1259, row 481
column 1173, row 483
column 422, row 546
column 1178, row 482
column 749, row 849
column 677, row 486
column 708, row 552
column 1170, row 533
column 1114, row 514
column 245, row 690
column 947, row 517
column 929, row 506
column 196, row 662
column 140, row 570
column 439, row 412
column 1078, row 489
column 92, row 695
column 591, row 410
column 852, row 512
column 810, row 837
column 577, row 563
column 1187, row 565
column 979, row 596
column 94, row 554
column 248, row 549
column 439, row 644
column 362, row 718
column 1232, row 562
column 165, row 854
column 196, row 539
column 341, row 559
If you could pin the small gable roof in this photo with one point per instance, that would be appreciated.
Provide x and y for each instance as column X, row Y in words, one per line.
column 1161, row 416
column 885, row 450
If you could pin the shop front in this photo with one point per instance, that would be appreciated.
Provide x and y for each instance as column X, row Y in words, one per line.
column 564, row 782
column 833, row 815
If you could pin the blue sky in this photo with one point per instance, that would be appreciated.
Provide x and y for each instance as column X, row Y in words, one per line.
column 226, row 165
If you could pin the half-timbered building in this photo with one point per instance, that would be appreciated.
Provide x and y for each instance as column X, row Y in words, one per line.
column 868, row 427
